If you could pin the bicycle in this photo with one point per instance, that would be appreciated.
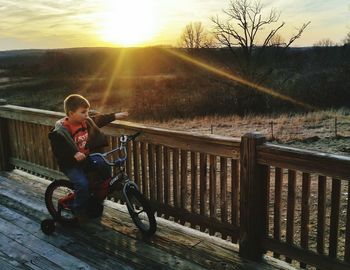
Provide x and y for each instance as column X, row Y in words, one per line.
column 60, row 194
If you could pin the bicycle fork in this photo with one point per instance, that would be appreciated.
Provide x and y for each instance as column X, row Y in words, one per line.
column 127, row 186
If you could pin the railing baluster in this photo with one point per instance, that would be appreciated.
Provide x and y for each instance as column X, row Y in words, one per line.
column 176, row 177
column 166, row 154
column 136, row 156
column 48, row 147
column 234, row 196
column 203, row 186
column 144, row 167
column 277, row 206
column 223, row 191
column 290, row 208
column 266, row 174
column 183, row 181
column 29, row 140
column 321, row 213
column 305, row 213
column 12, row 138
column 334, row 225
column 129, row 159
column 151, row 171
column 347, row 231
column 159, row 173
column 18, row 140
column 44, row 143
column 212, row 189
column 194, row 182
column 5, row 145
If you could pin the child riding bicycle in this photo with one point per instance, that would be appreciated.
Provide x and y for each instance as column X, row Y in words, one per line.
column 73, row 138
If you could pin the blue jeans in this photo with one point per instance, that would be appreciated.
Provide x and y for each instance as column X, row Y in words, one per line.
column 78, row 176
column 80, row 181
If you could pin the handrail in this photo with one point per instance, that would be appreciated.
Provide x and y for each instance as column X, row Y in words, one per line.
column 331, row 165
column 211, row 144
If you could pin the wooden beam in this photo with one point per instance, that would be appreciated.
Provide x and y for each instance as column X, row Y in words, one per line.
column 252, row 199
column 5, row 151
column 34, row 168
column 210, row 144
column 305, row 256
column 335, row 166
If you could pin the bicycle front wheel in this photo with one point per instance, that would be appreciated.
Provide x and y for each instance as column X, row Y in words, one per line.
column 141, row 212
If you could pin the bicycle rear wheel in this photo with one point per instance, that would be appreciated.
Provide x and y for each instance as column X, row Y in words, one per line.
column 141, row 212
column 58, row 197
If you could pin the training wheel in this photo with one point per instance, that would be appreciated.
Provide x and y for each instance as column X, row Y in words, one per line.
column 48, row 226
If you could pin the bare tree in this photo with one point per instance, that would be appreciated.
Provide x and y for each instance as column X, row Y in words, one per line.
column 347, row 39
column 277, row 41
column 244, row 24
column 194, row 36
column 326, row 42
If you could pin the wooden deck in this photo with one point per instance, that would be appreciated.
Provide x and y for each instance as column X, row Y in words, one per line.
column 110, row 243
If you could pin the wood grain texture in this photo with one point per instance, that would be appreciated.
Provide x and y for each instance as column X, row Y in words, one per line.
column 305, row 256
column 252, row 198
column 334, row 218
column 332, row 165
column 321, row 214
column 347, row 231
column 305, row 213
column 277, row 206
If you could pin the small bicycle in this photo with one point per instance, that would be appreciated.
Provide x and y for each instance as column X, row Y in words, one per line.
column 60, row 194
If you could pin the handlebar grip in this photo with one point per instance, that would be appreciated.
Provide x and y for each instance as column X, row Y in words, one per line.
column 133, row 137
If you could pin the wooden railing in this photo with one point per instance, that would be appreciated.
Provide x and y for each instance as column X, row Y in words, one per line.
column 304, row 208
column 190, row 178
column 271, row 198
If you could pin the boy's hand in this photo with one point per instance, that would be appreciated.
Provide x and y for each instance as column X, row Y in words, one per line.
column 121, row 115
column 79, row 156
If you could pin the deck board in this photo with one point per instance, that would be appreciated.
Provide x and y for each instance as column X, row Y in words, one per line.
column 113, row 242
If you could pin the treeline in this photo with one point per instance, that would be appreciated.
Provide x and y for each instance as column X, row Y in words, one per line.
column 155, row 84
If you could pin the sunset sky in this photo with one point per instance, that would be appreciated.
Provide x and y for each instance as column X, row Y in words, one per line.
column 28, row 24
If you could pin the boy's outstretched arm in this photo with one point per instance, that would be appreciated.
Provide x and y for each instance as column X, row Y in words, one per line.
column 121, row 115
column 104, row 119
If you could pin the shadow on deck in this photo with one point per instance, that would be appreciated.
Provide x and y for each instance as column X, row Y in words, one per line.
column 110, row 243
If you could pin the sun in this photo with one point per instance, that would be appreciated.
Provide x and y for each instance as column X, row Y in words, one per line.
column 128, row 22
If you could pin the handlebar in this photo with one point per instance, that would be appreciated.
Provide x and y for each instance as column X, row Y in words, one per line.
column 119, row 161
column 127, row 138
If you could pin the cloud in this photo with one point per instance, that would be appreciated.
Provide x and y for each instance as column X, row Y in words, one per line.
column 38, row 20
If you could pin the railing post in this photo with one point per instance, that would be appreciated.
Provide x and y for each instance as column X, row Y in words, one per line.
column 5, row 164
column 253, row 200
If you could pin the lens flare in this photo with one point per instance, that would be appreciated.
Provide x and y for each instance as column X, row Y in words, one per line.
column 240, row 80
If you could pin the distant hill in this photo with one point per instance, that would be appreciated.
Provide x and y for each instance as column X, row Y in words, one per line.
column 156, row 84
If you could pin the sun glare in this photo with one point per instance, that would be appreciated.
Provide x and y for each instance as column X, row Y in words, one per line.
column 128, row 22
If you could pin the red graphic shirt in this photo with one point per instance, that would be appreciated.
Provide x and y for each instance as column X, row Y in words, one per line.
column 79, row 134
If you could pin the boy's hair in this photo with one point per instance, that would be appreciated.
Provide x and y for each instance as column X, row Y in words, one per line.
column 74, row 102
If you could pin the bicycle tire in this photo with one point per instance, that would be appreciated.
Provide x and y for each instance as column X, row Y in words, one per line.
column 141, row 223
column 59, row 186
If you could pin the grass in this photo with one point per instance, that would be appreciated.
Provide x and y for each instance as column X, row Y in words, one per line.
column 313, row 130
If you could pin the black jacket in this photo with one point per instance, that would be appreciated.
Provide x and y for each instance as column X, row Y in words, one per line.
column 64, row 147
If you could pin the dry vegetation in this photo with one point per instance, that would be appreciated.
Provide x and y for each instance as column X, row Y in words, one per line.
column 314, row 130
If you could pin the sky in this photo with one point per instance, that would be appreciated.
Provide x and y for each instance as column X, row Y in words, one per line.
column 41, row 24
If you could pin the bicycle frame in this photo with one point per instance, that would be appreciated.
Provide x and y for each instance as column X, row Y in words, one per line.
column 120, row 163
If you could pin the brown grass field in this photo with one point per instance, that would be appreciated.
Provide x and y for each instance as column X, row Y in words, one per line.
column 314, row 130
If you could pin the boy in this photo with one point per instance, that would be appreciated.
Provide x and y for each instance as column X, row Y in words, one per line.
column 72, row 139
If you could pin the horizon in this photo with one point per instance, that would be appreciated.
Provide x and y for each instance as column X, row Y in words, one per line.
column 138, row 47
column 51, row 25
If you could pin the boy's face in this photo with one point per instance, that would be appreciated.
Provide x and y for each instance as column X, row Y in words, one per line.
column 79, row 116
